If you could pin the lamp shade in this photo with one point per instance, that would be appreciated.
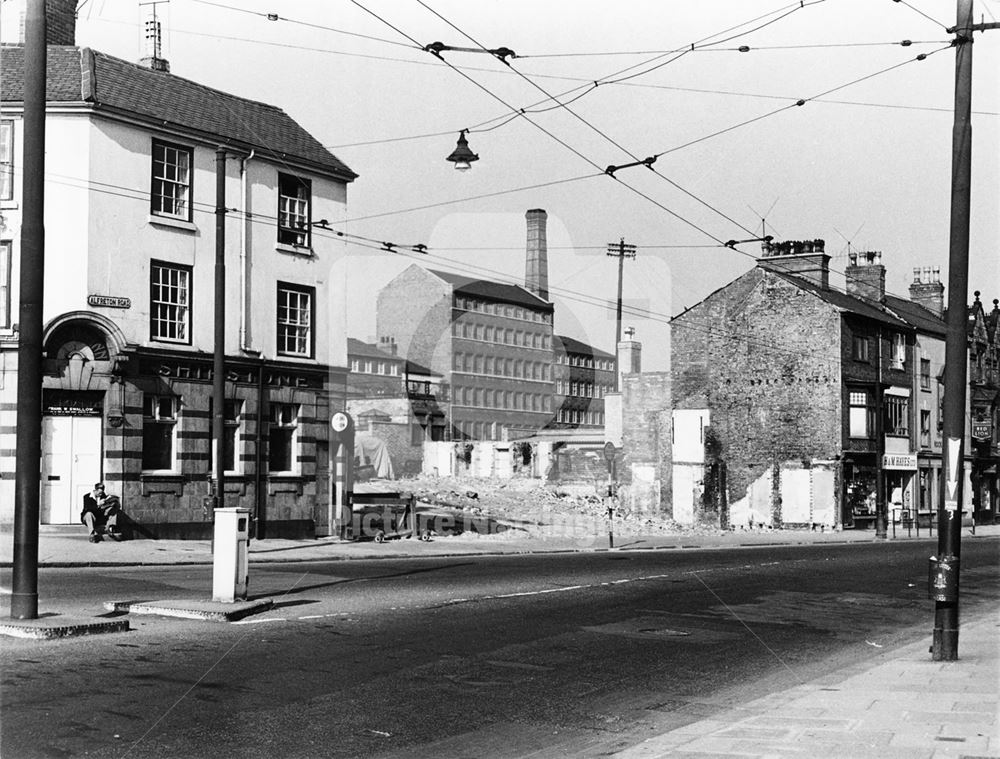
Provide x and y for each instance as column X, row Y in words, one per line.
column 461, row 156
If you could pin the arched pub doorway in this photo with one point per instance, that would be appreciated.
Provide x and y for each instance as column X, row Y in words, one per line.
column 81, row 359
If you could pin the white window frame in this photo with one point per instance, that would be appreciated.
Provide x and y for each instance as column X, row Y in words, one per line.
column 294, row 219
column 170, row 303
column 859, row 414
column 6, row 288
column 171, row 180
column 294, row 320
column 6, row 159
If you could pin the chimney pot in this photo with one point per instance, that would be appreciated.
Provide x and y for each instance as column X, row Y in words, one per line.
column 801, row 258
column 927, row 290
column 866, row 279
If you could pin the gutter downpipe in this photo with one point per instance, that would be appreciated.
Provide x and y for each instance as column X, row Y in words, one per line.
column 259, row 516
column 244, row 257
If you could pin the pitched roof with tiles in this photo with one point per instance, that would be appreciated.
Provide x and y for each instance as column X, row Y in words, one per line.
column 495, row 291
column 117, row 87
column 920, row 318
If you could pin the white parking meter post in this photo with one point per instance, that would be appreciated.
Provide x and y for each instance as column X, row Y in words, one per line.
column 230, row 565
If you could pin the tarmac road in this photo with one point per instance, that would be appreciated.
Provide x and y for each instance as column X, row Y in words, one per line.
column 552, row 655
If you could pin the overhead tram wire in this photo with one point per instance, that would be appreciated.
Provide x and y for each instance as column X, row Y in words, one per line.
column 801, row 102
column 608, row 79
column 557, row 139
column 604, row 134
column 708, row 49
column 587, row 86
column 921, row 13
column 370, row 243
column 387, row 246
column 469, row 198
column 308, row 24
column 417, row 252
column 752, row 343
column 589, row 161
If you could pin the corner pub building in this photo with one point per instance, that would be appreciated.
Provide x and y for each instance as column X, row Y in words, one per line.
column 129, row 298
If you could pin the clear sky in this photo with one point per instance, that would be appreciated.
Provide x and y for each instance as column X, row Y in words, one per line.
column 864, row 163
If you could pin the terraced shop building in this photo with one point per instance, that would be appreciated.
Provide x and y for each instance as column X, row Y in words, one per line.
column 129, row 309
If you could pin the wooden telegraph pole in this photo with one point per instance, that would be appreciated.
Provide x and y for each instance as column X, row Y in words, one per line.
column 944, row 571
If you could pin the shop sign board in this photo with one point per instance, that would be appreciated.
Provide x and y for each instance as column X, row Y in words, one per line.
column 982, row 430
column 907, row 461
column 70, row 403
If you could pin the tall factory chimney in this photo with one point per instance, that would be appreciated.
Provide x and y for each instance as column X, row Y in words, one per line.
column 536, row 265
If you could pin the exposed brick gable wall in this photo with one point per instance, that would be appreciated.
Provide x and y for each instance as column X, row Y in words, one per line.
column 766, row 356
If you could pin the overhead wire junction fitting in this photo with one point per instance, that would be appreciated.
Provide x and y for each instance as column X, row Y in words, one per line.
column 647, row 162
column 503, row 53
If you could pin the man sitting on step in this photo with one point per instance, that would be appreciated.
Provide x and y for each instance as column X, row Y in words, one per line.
column 100, row 513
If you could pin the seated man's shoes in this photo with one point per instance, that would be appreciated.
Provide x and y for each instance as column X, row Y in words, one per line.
column 116, row 536
column 95, row 538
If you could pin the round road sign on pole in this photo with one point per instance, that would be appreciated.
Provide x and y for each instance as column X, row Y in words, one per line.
column 609, row 451
column 340, row 421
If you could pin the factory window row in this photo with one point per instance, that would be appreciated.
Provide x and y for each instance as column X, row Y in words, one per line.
column 497, row 366
column 372, row 366
column 582, row 389
column 578, row 416
column 512, row 400
column 501, row 335
column 502, row 309
column 586, row 362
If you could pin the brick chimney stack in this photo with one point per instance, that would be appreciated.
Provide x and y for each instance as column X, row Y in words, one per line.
column 60, row 22
column 536, row 265
column 927, row 289
column 866, row 276
column 153, row 43
column 806, row 259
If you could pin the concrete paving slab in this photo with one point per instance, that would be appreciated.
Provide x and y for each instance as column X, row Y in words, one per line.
column 211, row 611
column 50, row 626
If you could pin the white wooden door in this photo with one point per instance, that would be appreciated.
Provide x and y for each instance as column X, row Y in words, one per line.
column 71, row 464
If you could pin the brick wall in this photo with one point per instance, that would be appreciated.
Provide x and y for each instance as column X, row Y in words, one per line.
column 60, row 22
column 765, row 357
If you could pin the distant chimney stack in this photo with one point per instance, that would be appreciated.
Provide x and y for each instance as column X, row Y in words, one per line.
column 806, row 259
column 536, row 265
column 866, row 276
column 927, row 289
column 629, row 355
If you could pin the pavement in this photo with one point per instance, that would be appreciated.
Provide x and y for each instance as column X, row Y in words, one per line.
column 898, row 704
column 68, row 546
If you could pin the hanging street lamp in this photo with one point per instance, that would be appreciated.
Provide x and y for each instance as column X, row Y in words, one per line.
column 461, row 156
